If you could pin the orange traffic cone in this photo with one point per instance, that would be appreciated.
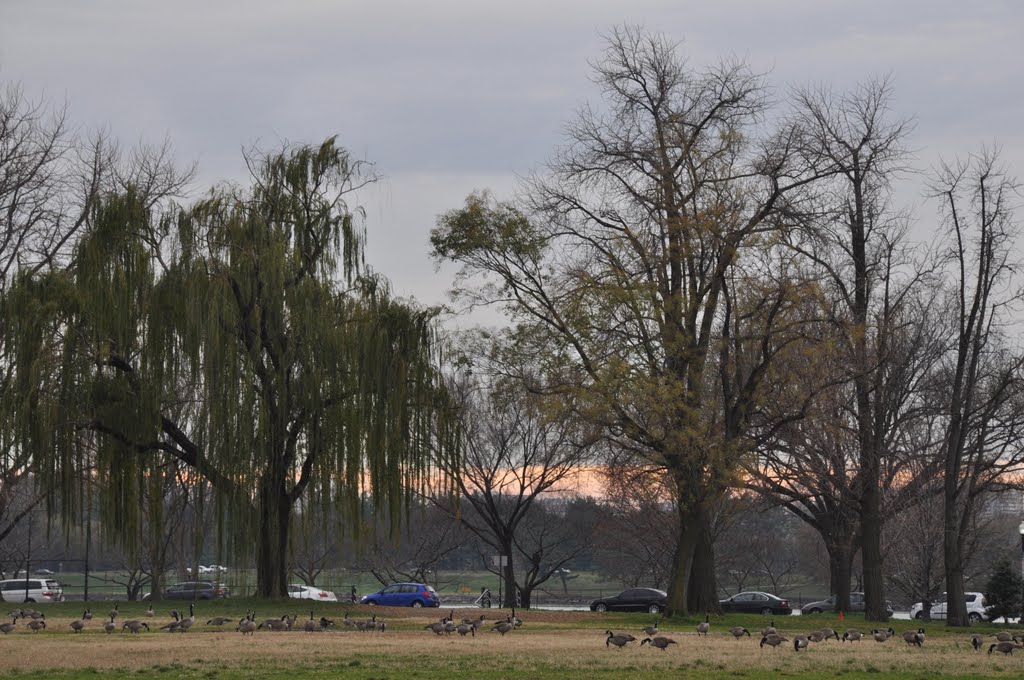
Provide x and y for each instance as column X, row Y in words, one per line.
column 840, row 614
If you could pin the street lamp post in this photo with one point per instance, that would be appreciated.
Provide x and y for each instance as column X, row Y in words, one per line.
column 1020, row 620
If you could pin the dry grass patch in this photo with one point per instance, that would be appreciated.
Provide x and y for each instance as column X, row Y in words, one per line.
column 540, row 650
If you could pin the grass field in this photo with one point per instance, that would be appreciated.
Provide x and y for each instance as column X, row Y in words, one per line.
column 550, row 645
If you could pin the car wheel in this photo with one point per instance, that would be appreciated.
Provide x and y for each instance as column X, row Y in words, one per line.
column 29, row 599
column 814, row 611
column 919, row 616
column 974, row 617
column 600, row 607
column 371, row 602
column 766, row 611
column 654, row 609
column 416, row 603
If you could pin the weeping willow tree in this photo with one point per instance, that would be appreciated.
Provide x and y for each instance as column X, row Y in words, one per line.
column 245, row 338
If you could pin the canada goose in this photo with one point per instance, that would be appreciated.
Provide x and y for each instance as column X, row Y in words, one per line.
column 188, row 622
column 476, row 623
column 827, row 633
column 1006, row 647
column 503, row 627
column 382, row 626
column 661, row 643
column 852, row 634
column 977, row 640
column 172, row 627
column 816, row 636
column 465, row 629
column 114, row 612
column 77, row 625
column 110, row 626
column 770, row 630
column 800, row 642
column 704, row 627
column 449, row 627
column 1004, row 636
column 35, row 615
column 437, row 627
column 248, row 624
column 219, row 621
column 17, row 613
column 87, row 615
column 773, row 640
column 312, row 625
column 348, row 622
column 325, row 622
column 914, row 637
column 6, row 628
column 134, row 626
column 650, row 630
column 882, row 635
column 516, row 621
column 739, row 631
column 371, row 623
column 150, row 612
column 37, row 625
column 620, row 640
column 276, row 624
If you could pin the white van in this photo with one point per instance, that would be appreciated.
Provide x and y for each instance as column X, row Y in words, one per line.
column 38, row 589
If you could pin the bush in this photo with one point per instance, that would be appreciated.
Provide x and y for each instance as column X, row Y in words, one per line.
column 1003, row 591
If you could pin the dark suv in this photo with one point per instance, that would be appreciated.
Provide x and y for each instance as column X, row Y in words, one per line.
column 194, row 590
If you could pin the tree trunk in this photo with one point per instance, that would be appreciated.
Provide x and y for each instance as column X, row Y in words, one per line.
column 871, row 551
column 272, row 548
column 510, row 576
column 702, row 589
column 840, row 568
column 956, row 603
column 526, row 597
column 690, row 528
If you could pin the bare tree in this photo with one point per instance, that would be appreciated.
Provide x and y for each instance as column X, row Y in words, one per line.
column 982, row 387
column 517, row 447
column 412, row 553
column 859, row 249
column 636, row 527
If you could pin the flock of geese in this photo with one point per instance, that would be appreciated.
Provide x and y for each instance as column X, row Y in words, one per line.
column 1006, row 642
column 248, row 625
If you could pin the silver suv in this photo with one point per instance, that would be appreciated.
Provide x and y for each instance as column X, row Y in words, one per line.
column 976, row 604
column 31, row 590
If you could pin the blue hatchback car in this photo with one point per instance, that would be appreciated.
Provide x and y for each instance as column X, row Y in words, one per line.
column 404, row 595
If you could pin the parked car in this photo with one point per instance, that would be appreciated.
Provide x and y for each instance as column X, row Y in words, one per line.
column 31, row 590
column 303, row 592
column 976, row 604
column 649, row 600
column 404, row 595
column 829, row 605
column 194, row 590
column 756, row 602
column 43, row 572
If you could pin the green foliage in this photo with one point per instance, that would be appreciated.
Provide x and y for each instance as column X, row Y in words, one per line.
column 1003, row 591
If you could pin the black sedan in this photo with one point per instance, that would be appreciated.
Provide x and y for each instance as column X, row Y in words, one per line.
column 649, row 600
column 756, row 603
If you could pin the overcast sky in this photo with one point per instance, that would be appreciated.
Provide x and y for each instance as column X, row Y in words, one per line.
column 447, row 97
